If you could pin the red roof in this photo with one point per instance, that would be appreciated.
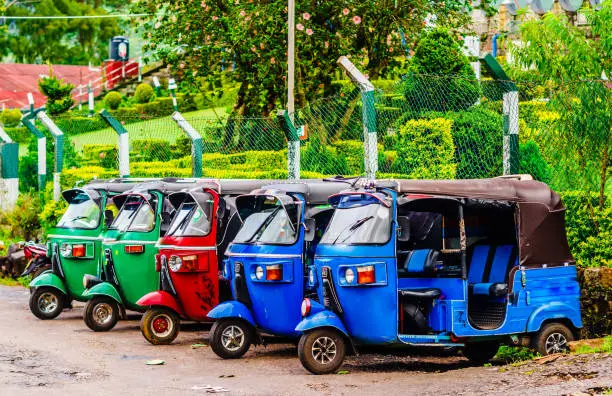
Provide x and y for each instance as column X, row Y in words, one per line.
column 16, row 80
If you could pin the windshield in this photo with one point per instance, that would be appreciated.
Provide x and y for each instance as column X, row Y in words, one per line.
column 273, row 224
column 366, row 224
column 82, row 212
column 135, row 215
column 192, row 220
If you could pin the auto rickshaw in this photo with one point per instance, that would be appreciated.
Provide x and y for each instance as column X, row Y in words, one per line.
column 266, row 263
column 129, row 248
column 190, row 257
column 463, row 263
column 74, row 246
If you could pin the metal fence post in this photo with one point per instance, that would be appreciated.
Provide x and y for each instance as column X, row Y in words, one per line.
column 293, row 145
column 42, row 150
column 90, row 100
column 196, row 143
column 58, row 137
column 124, row 144
column 9, row 171
column 172, row 88
column 370, row 140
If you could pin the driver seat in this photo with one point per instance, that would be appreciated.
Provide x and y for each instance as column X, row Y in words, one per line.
column 420, row 262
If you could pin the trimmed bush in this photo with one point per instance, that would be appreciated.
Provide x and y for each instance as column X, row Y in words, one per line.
column 146, row 150
column 532, row 162
column 10, row 117
column 112, row 100
column 144, row 93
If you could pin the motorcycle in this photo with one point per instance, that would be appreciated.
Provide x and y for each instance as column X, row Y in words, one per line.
column 38, row 260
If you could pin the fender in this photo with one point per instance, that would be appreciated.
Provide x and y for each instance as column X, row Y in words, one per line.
column 160, row 298
column 553, row 310
column 103, row 289
column 49, row 279
column 320, row 319
column 232, row 309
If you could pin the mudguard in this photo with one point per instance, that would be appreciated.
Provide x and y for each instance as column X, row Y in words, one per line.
column 48, row 279
column 322, row 319
column 103, row 289
column 160, row 298
column 232, row 309
column 553, row 310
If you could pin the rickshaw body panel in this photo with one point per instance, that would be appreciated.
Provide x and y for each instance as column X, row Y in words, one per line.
column 232, row 309
column 48, row 279
column 104, row 289
column 160, row 298
column 321, row 317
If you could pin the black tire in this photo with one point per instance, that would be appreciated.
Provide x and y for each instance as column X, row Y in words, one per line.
column 46, row 302
column 101, row 313
column 316, row 347
column 160, row 326
column 480, row 352
column 231, row 338
column 552, row 338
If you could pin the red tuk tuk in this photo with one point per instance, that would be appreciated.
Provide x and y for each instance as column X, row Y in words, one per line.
column 190, row 257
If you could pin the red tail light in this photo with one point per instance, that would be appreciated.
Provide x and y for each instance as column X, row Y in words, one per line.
column 190, row 263
column 78, row 250
column 366, row 274
column 132, row 249
column 274, row 272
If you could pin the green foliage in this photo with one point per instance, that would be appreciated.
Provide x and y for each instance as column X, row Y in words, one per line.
column 425, row 150
column 532, row 162
column 52, row 211
column 104, row 155
column 21, row 223
column 10, row 117
column 589, row 228
column 59, row 94
column 112, row 100
column 606, row 347
column 317, row 157
column 18, row 134
column 144, row 93
column 509, row 354
column 146, row 150
column 442, row 78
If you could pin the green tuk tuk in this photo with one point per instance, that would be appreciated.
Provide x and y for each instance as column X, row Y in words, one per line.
column 127, row 271
column 74, row 246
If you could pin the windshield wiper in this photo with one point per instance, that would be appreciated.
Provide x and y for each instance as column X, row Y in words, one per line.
column 78, row 218
column 183, row 222
column 352, row 227
column 264, row 224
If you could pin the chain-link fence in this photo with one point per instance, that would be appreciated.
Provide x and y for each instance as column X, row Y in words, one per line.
column 426, row 127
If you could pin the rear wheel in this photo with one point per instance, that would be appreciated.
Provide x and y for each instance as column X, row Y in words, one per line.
column 101, row 313
column 160, row 326
column 321, row 351
column 480, row 352
column 231, row 338
column 46, row 302
column 553, row 338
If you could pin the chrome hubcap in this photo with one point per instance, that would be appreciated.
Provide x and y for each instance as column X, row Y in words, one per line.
column 555, row 343
column 102, row 313
column 232, row 338
column 162, row 325
column 324, row 350
column 47, row 302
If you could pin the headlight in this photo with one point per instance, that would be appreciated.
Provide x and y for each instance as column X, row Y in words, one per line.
column 349, row 275
column 259, row 272
column 66, row 250
column 175, row 263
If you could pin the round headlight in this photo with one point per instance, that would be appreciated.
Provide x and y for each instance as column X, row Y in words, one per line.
column 311, row 276
column 175, row 263
column 66, row 250
column 349, row 275
column 259, row 272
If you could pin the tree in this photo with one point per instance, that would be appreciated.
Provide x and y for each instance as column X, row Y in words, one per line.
column 251, row 38
column 573, row 60
column 59, row 94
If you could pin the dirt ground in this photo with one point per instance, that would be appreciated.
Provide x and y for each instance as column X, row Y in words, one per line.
column 62, row 356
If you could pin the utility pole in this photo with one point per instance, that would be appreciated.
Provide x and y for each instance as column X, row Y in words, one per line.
column 291, row 60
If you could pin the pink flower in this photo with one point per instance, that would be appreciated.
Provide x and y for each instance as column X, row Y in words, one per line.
column 356, row 19
column 174, row 18
column 182, row 65
column 345, row 11
column 214, row 18
column 299, row 26
column 327, row 44
column 242, row 13
column 309, row 31
column 390, row 49
column 203, row 4
column 272, row 60
column 157, row 25
column 306, row 16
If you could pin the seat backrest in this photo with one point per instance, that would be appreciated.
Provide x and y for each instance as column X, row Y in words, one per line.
column 478, row 263
column 501, row 265
column 420, row 260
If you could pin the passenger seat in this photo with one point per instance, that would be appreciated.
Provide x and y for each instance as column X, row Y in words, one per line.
column 489, row 269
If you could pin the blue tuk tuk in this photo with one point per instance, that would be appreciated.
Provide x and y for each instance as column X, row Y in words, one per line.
column 463, row 263
column 265, row 264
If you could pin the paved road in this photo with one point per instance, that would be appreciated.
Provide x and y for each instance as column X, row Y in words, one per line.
column 63, row 356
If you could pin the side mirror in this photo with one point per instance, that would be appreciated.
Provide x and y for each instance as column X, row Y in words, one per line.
column 403, row 232
column 108, row 217
column 310, row 226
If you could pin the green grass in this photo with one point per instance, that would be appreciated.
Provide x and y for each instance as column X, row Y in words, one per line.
column 513, row 355
column 15, row 282
column 606, row 347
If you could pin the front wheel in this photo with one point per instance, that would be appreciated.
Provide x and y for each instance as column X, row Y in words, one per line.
column 553, row 338
column 481, row 352
column 46, row 302
column 101, row 313
column 321, row 351
column 231, row 338
column 160, row 326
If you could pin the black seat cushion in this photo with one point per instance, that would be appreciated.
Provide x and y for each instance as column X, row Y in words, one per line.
column 422, row 294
